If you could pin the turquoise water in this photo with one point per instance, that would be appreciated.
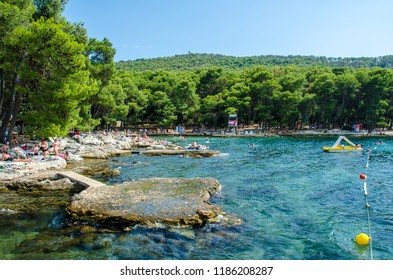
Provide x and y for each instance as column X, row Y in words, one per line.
column 296, row 203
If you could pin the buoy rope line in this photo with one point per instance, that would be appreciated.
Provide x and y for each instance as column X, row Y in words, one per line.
column 364, row 177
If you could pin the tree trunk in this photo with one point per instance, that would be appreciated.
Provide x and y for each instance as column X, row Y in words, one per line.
column 2, row 96
column 9, row 111
column 2, row 89
column 9, row 108
column 5, row 121
column 15, row 113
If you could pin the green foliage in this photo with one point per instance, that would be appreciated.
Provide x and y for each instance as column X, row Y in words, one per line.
column 269, row 96
column 185, row 100
column 54, row 77
column 43, row 68
column 48, row 8
column 107, row 103
column 194, row 61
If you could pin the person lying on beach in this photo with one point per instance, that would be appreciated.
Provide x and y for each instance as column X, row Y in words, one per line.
column 7, row 157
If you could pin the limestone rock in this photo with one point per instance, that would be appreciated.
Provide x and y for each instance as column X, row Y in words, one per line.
column 62, row 184
column 103, row 169
column 38, row 164
column 44, row 181
column 94, row 152
column 90, row 140
column 156, row 147
column 172, row 201
column 74, row 159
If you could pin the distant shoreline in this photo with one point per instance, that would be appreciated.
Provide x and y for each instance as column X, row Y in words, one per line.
column 300, row 133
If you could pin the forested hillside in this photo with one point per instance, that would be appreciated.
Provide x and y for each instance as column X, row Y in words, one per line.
column 55, row 77
column 287, row 96
column 191, row 61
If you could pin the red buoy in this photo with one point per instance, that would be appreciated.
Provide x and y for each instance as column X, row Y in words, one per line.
column 362, row 176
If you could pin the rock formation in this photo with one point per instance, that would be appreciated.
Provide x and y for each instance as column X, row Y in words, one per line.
column 170, row 201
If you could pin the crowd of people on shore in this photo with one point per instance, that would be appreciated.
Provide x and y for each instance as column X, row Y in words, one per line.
column 15, row 152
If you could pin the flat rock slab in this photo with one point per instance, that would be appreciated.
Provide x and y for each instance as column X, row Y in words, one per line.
column 52, row 180
column 188, row 153
column 80, row 179
column 170, row 201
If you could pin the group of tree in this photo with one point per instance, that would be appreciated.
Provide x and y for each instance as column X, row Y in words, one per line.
column 51, row 72
column 290, row 97
column 190, row 61
column 54, row 78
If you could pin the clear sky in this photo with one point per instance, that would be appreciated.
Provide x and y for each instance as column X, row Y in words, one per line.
column 159, row 28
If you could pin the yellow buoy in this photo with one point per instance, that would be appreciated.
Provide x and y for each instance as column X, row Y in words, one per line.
column 362, row 239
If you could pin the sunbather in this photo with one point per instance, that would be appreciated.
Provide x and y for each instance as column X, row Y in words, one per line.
column 44, row 147
column 14, row 142
column 7, row 157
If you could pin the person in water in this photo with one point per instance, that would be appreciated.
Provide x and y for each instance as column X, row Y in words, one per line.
column 195, row 145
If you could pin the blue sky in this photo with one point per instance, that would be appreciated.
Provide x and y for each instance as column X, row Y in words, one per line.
column 154, row 28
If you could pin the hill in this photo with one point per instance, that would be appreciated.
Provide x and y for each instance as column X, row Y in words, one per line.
column 192, row 61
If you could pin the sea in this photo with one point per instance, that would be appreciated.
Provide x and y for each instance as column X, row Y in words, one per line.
column 296, row 203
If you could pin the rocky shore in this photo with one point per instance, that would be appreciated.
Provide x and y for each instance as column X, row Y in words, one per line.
column 151, row 202
column 79, row 149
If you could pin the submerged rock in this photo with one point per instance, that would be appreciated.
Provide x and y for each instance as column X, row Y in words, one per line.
column 101, row 169
column 186, row 153
column 172, row 201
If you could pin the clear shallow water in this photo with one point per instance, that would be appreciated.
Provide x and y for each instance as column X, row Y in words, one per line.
column 296, row 203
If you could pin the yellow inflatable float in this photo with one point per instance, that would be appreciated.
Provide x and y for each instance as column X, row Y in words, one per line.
column 337, row 147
